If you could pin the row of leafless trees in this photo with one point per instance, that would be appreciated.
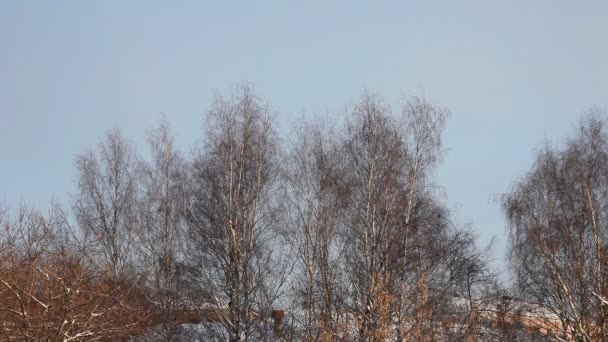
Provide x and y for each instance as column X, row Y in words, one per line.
column 340, row 226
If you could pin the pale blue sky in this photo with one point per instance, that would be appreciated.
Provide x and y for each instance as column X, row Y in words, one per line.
column 511, row 72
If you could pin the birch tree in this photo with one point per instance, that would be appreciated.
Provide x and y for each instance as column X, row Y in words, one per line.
column 557, row 216
column 231, row 212
column 315, row 199
column 388, row 162
column 105, row 204
column 161, row 240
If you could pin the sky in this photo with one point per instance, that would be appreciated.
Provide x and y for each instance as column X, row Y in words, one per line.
column 512, row 73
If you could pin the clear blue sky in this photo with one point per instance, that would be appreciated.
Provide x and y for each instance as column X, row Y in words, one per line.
column 512, row 72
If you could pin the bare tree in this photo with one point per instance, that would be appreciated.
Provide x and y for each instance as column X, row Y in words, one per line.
column 387, row 165
column 49, row 291
column 231, row 214
column 161, row 240
column 374, row 168
column 315, row 199
column 105, row 205
column 376, row 249
column 558, row 217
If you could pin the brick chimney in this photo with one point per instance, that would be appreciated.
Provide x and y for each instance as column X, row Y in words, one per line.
column 277, row 316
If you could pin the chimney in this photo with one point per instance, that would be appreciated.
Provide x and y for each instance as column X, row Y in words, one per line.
column 277, row 316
